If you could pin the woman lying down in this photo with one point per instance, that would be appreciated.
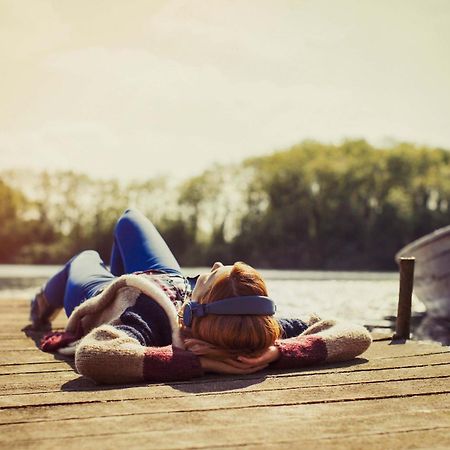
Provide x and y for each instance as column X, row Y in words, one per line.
column 141, row 320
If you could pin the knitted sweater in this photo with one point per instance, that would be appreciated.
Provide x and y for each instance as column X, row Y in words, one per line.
column 117, row 346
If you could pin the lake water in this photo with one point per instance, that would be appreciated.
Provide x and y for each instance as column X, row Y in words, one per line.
column 362, row 297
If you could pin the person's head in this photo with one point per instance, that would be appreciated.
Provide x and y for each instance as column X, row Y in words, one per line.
column 232, row 334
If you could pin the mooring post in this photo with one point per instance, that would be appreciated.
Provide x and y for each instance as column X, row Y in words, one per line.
column 402, row 327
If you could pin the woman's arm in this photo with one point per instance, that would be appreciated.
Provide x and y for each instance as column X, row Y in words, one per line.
column 291, row 327
column 323, row 341
column 109, row 355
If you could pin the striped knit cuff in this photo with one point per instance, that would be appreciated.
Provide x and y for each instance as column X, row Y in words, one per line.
column 170, row 364
column 302, row 352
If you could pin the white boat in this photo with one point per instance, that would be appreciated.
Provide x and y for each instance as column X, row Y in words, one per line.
column 431, row 271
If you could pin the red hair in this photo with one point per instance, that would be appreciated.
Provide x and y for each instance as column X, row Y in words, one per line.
column 235, row 334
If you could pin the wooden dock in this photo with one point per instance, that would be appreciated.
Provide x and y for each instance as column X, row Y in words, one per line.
column 394, row 396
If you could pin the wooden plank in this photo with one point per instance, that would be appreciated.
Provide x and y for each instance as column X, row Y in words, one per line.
column 7, row 305
column 375, row 364
column 289, row 425
column 386, row 349
column 248, row 398
column 43, row 368
column 15, row 326
column 364, row 407
column 26, row 356
column 28, row 383
column 17, row 344
column 426, row 439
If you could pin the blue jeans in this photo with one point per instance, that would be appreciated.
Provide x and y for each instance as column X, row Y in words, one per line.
column 137, row 246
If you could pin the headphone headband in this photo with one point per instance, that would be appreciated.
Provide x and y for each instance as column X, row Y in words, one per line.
column 257, row 305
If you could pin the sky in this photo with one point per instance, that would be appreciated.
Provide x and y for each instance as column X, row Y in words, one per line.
column 139, row 89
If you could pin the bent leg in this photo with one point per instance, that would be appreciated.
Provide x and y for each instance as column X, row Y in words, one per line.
column 139, row 246
column 79, row 279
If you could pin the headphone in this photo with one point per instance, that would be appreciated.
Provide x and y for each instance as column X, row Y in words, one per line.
column 247, row 305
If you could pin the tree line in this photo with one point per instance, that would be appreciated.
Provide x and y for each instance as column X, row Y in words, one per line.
column 313, row 206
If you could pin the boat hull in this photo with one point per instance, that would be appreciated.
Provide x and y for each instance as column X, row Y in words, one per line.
column 432, row 270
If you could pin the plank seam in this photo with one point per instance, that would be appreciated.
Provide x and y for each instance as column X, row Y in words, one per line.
column 250, row 391
column 308, row 402
column 78, row 418
column 340, row 435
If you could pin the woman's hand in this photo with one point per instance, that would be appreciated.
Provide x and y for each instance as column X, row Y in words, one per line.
column 271, row 354
column 229, row 366
column 242, row 365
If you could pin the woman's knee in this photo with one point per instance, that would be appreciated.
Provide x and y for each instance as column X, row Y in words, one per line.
column 127, row 216
column 87, row 255
column 129, row 220
column 131, row 212
column 86, row 263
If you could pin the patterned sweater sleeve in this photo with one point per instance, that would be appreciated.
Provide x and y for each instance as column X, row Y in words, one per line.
column 111, row 356
column 323, row 341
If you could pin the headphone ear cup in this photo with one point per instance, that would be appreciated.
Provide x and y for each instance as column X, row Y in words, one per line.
column 187, row 315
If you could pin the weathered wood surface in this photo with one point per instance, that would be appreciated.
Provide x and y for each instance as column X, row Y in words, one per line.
column 394, row 396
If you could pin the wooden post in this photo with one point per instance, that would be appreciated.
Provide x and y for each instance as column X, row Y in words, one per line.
column 402, row 327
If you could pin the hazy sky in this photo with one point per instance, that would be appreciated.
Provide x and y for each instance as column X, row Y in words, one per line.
column 140, row 88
